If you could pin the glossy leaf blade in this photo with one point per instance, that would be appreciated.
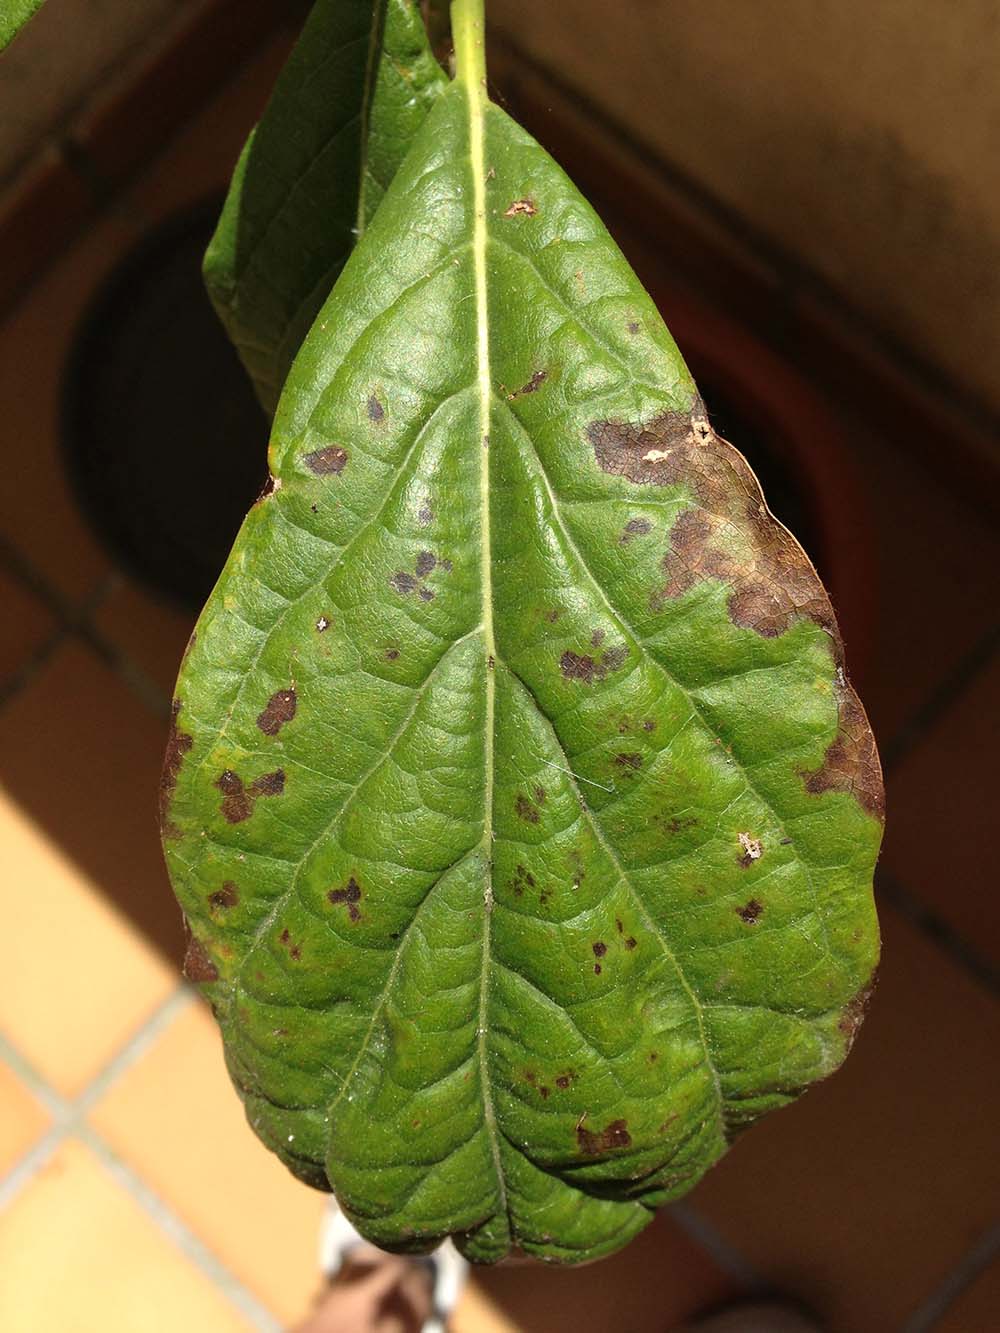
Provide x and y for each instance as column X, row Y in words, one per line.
column 343, row 114
column 522, row 812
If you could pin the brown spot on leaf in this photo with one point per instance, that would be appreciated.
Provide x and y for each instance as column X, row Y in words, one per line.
column 521, row 208
column 238, row 801
column 425, row 515
column 391, row 654
column 269, row 784
column 751, row 913
column 543, row 1091
column 635, row 527
column 629, row 763
column 575, row 666
column 614, row 1135
column 198, row 966
column 280, row 709
column 426, row 561
column 772, row 582
column 323, row 624
column 649, row 724
column 599, row 948
column 537, row 380
column 178, row 744
column 553, row 615
column 563, row 1081
column 675, row 824
column 854, row 1011
column 632, row 326
column 597, row 638
column 350, row 895
column 851, row 763
column 597, row 969
column 426, row 595
column 403, row 581
column 236, row 805
column 523, row 879
column 227, row 896
column 324, row 462
column 376, row 412
column 525, row 809
column 540, row 795
column 630, row 943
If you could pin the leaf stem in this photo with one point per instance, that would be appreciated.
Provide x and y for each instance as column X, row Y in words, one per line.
column 468, row 26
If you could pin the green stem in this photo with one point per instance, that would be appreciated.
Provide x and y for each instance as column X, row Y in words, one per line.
column 468, row 27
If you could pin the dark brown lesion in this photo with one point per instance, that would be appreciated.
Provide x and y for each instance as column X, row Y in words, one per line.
column 592, row 1143
column 583, row 667
column 349, row 895
column 853, row 1013
column 751, row 913
column 330, row 461
column 239, row 800
column 525, row 809
column 532, row 386
column 773, row 583
column 376, row 412
column 729, row 536
column 224, row 897
column 280, row 709
column 851, row 763
column 521, row 208
column 198, row 966
column 178, row 744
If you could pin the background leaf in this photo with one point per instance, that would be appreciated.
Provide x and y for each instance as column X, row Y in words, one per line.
column 517, row 799
column 343, row 114
column 14, row 14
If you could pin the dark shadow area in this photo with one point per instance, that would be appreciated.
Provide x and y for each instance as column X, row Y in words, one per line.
column 163, row 438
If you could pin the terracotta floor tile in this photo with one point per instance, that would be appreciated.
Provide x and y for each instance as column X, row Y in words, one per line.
column 942, row 812
column 152, row 634
column 977, row 1310
column 77, row 979
column 37, row 509
column 79, row 1256
column 22, row 1119
column 177, row 1119
column 26, row 626
column 616, row 1293
column 864, row 1195
column 82, row 756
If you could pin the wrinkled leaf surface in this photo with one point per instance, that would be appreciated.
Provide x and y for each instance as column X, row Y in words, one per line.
column 341, row 119
column 520, row 807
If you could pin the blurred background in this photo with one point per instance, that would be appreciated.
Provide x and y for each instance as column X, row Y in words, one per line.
column 811, row 193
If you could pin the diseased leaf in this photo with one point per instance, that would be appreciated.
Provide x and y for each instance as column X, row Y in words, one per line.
column 14, row 14
column 342, row 116
column 521, row 810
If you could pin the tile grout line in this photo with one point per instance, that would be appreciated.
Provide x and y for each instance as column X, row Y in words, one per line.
column 949, row 689
column 76, row 619
column 186, row 1240
column 938, row 932
column 972, row 1265
column 726, row 1256
column 70, row 1120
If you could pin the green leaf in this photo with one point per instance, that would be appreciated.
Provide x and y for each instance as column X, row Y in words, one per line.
column 519, row 805
column 343, row 114
column 14, row 14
